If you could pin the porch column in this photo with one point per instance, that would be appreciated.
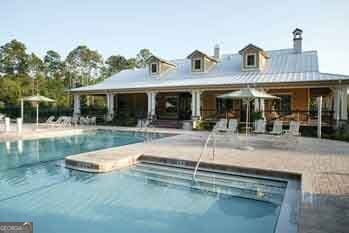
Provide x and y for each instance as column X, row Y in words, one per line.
column 196, row 104
column 110, row 107
column 151, row 104
column 344, row 104
column 262, row 107
column 76, row 105
column 336, row 103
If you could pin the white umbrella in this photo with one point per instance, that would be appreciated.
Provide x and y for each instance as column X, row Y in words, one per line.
column 35, row 100
column 247, row 95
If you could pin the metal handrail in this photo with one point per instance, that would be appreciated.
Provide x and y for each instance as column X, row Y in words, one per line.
column 202, row 153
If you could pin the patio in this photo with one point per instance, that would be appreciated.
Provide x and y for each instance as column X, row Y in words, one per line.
column 322, row 164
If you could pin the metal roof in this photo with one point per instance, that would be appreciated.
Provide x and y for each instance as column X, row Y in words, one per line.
column 283, row 66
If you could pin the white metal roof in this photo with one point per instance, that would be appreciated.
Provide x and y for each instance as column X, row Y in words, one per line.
column 283, row 66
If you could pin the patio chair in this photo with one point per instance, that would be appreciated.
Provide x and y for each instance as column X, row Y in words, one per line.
column 2, row 117
column 294, row 128
column 221, row 125
column 260, row 126
column 233, row 125
column 277, row 128
column 92, row 121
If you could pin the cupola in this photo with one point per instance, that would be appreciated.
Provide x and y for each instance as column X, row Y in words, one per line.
column 297, row 40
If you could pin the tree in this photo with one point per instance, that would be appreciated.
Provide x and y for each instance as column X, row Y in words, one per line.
column 13, row 58
column 142, row 57
column 54, row 66
column 84, row 65
column 116, row 63
column 35, row 69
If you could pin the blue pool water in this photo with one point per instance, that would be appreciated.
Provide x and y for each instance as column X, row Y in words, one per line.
column 34, row 186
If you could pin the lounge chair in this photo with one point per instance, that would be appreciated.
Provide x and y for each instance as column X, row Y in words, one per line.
column 75, row 120
column 260, row 126
column 50, row 120
column 56, row 123
column 277, row 128
column 294, row 128
column 67, row 122
column 143, row 123
column 84, row 121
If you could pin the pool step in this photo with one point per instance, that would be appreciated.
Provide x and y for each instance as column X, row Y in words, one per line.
column 204, row 182
column 238, row 179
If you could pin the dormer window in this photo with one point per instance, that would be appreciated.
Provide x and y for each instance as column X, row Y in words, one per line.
column 201, row 62
column 154, row 68
column 251, row 60
column 158, row 66
column 197, row 64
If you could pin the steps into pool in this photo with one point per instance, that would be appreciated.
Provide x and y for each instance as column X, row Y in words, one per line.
column 212, row 181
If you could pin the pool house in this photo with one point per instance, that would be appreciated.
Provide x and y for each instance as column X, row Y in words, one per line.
column 183, row 90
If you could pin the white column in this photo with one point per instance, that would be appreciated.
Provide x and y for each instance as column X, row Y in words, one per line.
column 151, row 104
column 319, row 116
column 336, row 103
column 193, row 104
column 344, row 104
column 256, row 105
column 196, row 104
column 110, row 107
column 76, row 104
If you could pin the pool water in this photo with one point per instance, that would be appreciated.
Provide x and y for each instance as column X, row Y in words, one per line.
column 145, row 198
column 21, row 153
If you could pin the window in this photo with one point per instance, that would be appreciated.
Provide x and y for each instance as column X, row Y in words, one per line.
column 197, row 64
column 283, row 105
column 154, row 68
column 251, row 60
column 224, row 105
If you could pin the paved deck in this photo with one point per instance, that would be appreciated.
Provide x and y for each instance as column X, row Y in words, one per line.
column 323, row 165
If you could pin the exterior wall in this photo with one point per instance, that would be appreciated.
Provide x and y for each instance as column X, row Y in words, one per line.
column 164, row 67
column 209, row 106
column 132, row 105
column 299, row 99
column 209, row 64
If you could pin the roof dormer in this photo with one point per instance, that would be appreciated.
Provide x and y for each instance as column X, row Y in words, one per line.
column 201, row 62
column 253, row 58
column 158, row 66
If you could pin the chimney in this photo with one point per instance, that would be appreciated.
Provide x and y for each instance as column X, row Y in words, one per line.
column 216, row 51
column 297, row 40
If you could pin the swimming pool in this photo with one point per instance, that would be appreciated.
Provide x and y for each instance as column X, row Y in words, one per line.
column 145, row 198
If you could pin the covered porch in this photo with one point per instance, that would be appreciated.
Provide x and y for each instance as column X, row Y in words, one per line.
column 296, row 103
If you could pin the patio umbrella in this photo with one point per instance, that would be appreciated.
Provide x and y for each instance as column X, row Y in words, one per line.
column 247, row 95
column 35, row 100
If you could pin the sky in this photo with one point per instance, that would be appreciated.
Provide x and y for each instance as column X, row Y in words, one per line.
column 173, row 29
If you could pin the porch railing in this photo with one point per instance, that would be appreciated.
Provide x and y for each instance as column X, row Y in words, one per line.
column 305, row 117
